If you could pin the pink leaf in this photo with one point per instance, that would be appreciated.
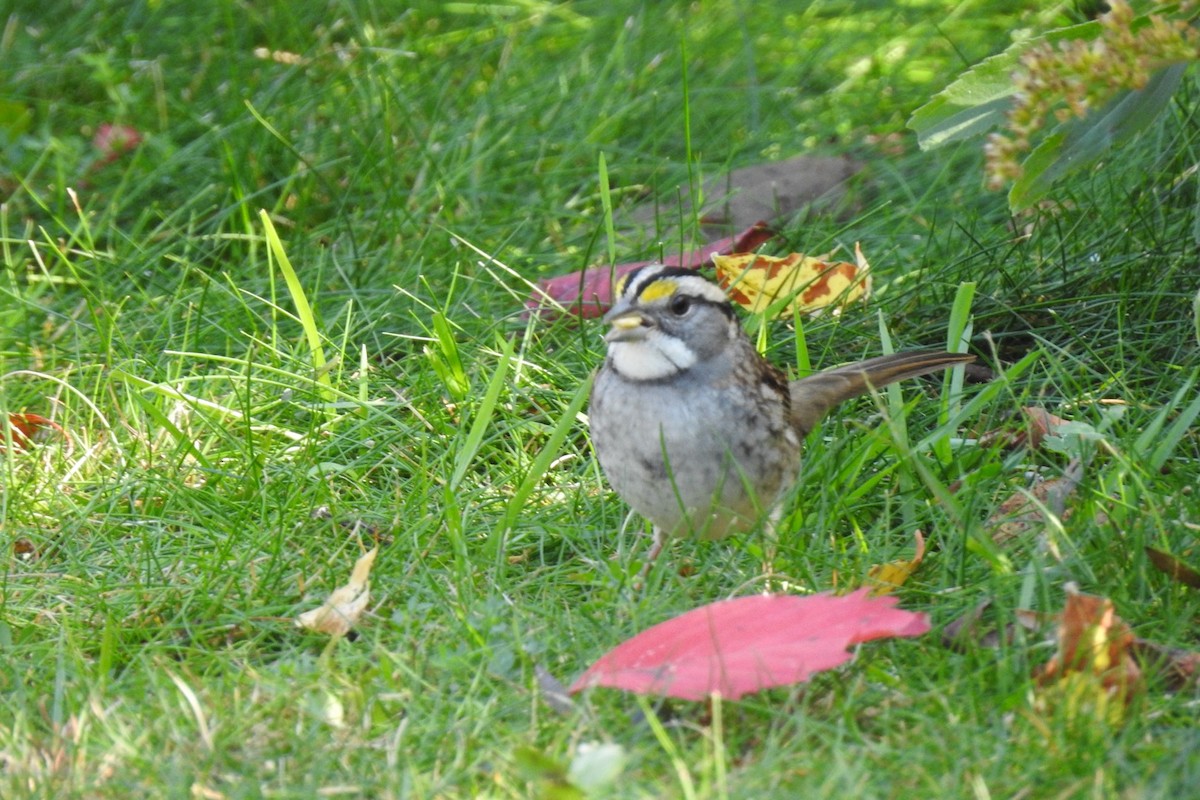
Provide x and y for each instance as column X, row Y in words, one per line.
column 739, row 646
column 589, row 293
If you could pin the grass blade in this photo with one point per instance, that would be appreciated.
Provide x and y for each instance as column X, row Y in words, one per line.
column 304, row 310
column 483, row 417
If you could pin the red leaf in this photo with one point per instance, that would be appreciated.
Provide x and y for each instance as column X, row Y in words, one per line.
column 589, row 293
column 29, row 428
column 736, row 647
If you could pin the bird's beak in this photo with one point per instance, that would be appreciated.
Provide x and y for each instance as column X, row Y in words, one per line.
column 627, row 325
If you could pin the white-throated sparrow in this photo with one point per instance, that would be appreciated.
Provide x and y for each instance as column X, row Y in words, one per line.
column 693, row 428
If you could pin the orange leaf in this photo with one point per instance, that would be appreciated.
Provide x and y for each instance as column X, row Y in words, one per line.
column 886, row 578
column 756, row 282
column 30, row 428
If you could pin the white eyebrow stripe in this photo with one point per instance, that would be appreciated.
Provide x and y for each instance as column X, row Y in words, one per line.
column 705, row 290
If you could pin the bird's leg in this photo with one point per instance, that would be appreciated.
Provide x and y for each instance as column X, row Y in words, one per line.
column 771, row 538
column 660, row 541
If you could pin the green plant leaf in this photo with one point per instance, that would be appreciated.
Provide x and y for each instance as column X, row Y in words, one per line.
column 304, row 311
column 1079, row 143
column 1155, row 445
column 445, row 360
column 945, row 123
column 606, row 204
column 482, row 417
column 978, row 99
column 565, row 425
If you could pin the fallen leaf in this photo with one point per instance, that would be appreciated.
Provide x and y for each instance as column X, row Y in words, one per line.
column 747, row 644
column 1039, row 423
column 1025, row 510
column 588, row 293
column 1095, row 643
column 28, row 429
column 346, row 604
column 808, row 283
column 887, row 578
column 773, row 191
column 25, row 550
column 1171, row 565
column 1180, row 668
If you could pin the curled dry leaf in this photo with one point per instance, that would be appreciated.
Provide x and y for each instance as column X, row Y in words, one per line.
column 589, row 293
column 808, row 283
column 1180, row 668
column 1039, row 423
column 1172, row 566
column 1093, row 672
column 747, row 644
column 1025, row 511
column 887, row 578
column 346, row 604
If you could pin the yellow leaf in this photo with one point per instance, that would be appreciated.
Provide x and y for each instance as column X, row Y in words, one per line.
column 808, row 283
column 886, row 578
column 345, row 605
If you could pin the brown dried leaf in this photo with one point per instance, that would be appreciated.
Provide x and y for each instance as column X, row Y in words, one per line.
column 1180, row 668
column 1023, row 511
column 1171, row 565
column 346, row 604
column 771, row 191
column 1040, row 423
column 1092, row 639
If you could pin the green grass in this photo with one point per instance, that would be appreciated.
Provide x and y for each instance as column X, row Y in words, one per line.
column 238, row 434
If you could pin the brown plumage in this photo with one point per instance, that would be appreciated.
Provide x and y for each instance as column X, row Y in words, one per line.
column 816, row 395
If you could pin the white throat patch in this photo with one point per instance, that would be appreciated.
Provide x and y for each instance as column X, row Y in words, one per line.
column 656, row 357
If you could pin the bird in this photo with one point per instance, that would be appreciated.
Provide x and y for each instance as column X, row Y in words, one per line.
column 692, row 427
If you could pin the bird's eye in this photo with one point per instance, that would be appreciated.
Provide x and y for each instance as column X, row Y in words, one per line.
column 680, row 305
